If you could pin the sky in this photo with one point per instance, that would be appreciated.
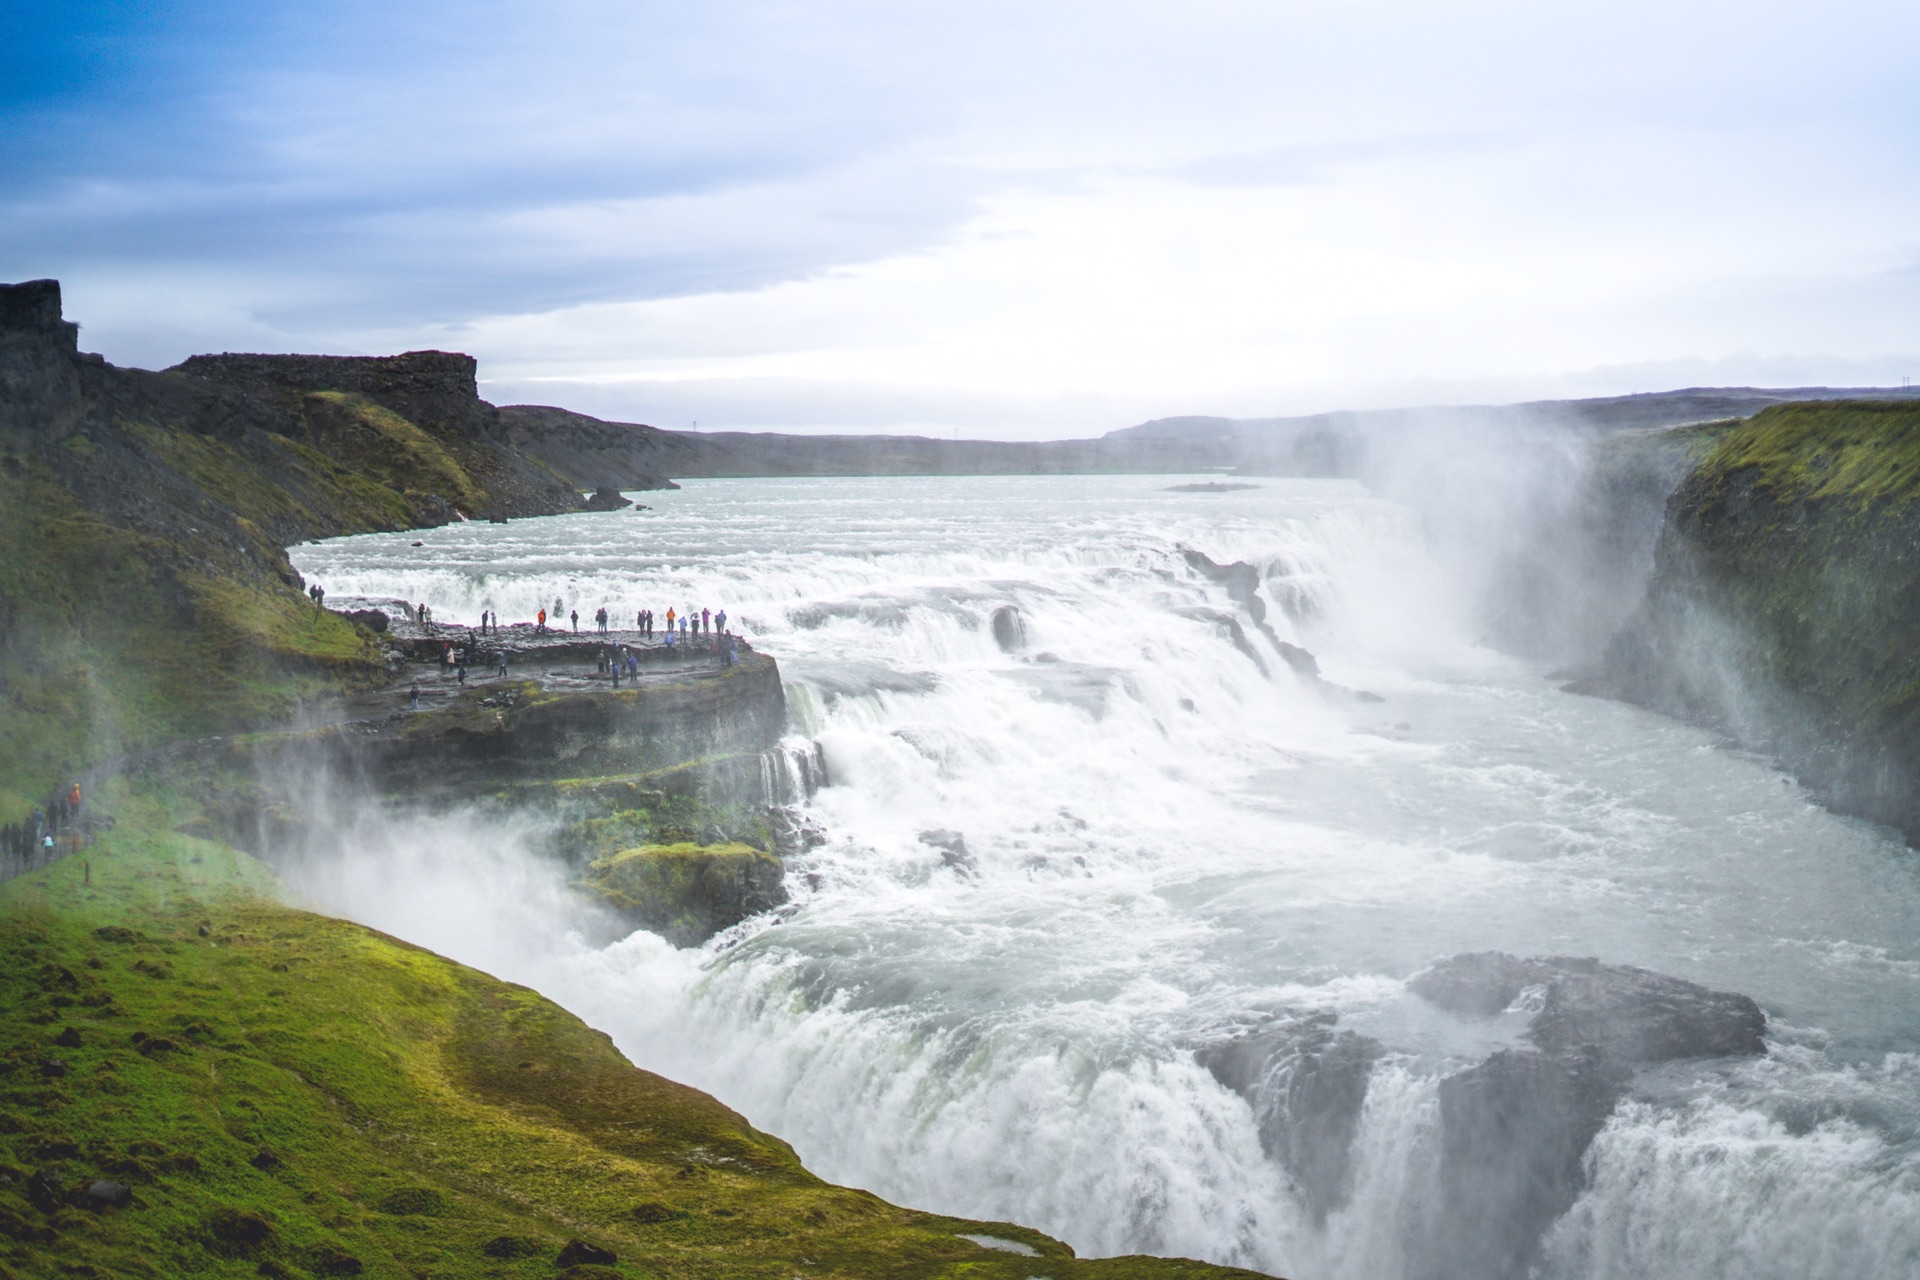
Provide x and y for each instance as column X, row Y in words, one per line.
column 1016, row 220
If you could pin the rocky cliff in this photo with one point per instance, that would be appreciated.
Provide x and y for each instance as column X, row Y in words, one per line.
column 145, row 593
column 1785, row 600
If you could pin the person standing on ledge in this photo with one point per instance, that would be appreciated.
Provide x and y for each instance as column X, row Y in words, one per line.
column 670, row 617
column 541, row 625
column 576, row 622
column 721, row 619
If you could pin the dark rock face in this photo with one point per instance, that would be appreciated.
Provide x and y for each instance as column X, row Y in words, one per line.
column 1009, row 629
column 46, row 1189
column 39, row 383
column 1306, row 1082
column 706, row 733
column 1783, row 602
column 1242, row 582
column 606, row 499
column 1515, row 1128
column 437, row 390
column 590, row 452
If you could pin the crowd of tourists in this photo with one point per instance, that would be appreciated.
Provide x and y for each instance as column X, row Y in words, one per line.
column 55, row 823
column 681, row 627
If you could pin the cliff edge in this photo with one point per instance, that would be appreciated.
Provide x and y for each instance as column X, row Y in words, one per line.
column 1785, row 599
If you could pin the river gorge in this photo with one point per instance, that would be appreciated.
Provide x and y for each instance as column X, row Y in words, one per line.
column 1112, row 918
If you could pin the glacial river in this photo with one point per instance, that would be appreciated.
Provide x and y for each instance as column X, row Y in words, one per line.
column 1166, row 838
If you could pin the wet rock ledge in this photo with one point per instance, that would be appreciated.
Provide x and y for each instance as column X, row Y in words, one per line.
column 1514, row 1128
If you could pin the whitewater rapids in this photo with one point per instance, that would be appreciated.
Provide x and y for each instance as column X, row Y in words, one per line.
column 1167, row 834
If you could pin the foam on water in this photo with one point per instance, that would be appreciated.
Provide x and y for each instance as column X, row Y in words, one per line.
column 1165, row 840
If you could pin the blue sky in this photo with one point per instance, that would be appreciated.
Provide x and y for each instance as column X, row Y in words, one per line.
column 1019, row 219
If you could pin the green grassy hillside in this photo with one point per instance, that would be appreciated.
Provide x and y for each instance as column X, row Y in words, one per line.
column 1863, row 451
column 290, row 1095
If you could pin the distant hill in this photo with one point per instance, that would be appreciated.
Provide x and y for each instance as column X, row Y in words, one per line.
column 591, row 451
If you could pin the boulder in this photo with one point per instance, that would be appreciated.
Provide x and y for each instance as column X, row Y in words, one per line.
column 688, row 892
column 105, row 1194
column 1632, row 1015
column 46, row 1188
column 605, row 499
column 1306, row 1082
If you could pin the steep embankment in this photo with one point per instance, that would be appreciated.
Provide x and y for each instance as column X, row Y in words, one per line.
column 1786, row 597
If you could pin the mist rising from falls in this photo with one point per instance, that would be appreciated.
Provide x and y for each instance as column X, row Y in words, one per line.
column 1164, row 844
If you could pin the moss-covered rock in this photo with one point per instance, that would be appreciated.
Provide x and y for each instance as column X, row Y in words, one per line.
column 688, row 892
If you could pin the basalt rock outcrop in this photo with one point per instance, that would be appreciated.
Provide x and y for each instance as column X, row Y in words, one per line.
column 712, row 725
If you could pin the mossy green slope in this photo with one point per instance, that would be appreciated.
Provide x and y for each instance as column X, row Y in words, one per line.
column 114, row 638
column 288, row 1094
column 1859, row 451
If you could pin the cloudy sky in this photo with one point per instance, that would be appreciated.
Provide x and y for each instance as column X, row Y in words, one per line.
column 1012, row 219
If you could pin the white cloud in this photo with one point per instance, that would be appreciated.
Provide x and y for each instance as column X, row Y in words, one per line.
column 1004, row 216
